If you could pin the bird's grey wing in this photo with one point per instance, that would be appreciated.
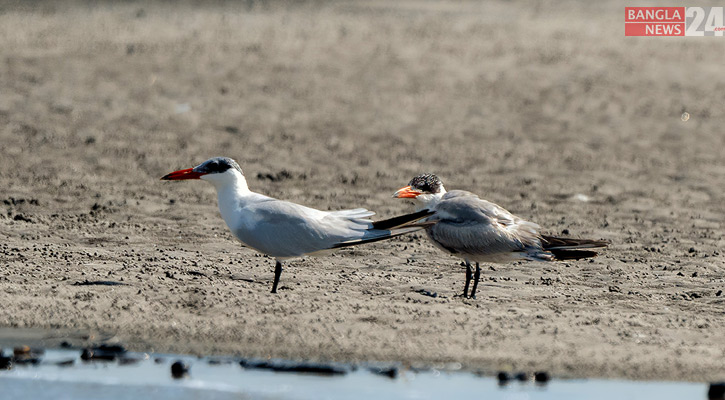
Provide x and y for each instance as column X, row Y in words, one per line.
column 478, row 228
column 284, row 229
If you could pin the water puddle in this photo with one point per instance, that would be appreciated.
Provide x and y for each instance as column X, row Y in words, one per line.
column 63, row 374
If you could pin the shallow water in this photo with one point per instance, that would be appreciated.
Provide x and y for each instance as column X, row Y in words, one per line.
column 150, row 377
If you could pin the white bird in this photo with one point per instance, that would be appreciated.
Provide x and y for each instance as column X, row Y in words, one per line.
column 282, row 229
column 477, row 230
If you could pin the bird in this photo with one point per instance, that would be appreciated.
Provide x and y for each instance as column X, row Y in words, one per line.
column 283, row 229
column 477, row 230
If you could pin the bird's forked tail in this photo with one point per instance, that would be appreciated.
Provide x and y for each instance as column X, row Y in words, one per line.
column 572, row 249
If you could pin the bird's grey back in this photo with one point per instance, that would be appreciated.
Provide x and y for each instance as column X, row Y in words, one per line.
column 478, row 230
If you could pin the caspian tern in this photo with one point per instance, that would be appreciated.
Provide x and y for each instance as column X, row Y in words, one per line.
column 477, row 230
column 284, row 230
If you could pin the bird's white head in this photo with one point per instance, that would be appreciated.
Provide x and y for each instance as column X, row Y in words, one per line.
column 426, row 190
column 220, row 171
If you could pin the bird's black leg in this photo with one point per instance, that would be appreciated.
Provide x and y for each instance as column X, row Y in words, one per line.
column 277, row 274
column 469, row 273
column 476, row 277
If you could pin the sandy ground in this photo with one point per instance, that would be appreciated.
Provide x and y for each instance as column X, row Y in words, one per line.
column 336, row 105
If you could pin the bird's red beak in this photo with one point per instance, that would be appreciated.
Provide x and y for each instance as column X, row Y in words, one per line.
column 188, row 173
column 407, row 193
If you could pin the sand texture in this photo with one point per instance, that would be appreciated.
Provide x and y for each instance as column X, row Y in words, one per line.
column 546, row 110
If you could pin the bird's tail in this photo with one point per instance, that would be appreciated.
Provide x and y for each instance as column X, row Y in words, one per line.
column 572, row 249
column 392, row 227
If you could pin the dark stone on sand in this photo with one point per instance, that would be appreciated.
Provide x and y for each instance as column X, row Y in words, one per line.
column 104, row 352
column 66, row 363
column 428, row 293
column 128, row 361
column 390, row 372
column 65, row 345
column 179, row 369
column 716, row 391
column 23, row 355
column 98, row 283
column 503, row 377
column 112, row 348
column 219, row 361
column 6, row 362
column 542, row 377
column 87, row 354
column 521, row 376
column 21, row 217
column 293, row 366
column 231, row 129
column 21, row 351
column 26, row 361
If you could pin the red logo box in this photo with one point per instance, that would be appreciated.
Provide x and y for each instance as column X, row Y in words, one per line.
column 654, row 14
column 654, row 21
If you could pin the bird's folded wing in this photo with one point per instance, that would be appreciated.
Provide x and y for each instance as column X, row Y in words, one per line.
column 471, row 225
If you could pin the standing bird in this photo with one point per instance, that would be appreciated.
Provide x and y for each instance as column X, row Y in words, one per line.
column 284, row 230
column 477, row 230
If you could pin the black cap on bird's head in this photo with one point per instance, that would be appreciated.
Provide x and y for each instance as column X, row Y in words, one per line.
column 421, row 184
column 426, row 183
column 214, row 165
column 217, row 165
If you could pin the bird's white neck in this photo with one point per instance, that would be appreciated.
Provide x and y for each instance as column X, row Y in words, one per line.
column 232, row 190
column 428, row 201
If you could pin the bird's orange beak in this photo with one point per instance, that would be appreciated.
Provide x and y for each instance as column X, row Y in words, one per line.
column 407, row 193
column 188, row 173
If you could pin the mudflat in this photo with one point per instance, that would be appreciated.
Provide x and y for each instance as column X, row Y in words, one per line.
column 548, row 111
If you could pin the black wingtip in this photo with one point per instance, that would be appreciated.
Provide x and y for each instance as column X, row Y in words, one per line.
column 551, row 243
column 401, row 220
column 562, row 255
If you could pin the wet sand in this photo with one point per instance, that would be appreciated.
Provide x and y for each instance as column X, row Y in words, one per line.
column 549, row 112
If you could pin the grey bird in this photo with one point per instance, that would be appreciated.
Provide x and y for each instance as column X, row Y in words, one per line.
column 284, row 230
column 477, row 230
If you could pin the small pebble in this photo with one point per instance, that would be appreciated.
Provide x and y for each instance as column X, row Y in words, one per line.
column 521, row 376
column 103, row 352
column 26, row 355
column 86, row 354
column 179, row 369
column 390, row 372
column 716, row 391
column 503, row 378
column 21, row 351
column 542, row 377
column 6, row 362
